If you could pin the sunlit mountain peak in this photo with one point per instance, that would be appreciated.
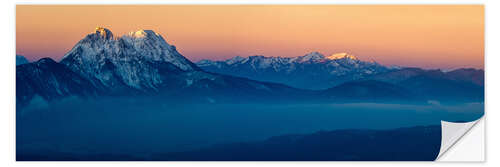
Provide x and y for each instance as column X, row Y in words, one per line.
column 143, row 33
column 104, row 32
column 341, row 56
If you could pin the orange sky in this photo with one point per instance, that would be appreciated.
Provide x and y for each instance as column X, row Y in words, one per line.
column 432, row 36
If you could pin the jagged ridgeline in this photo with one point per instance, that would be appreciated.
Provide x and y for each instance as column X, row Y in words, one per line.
column 143, row 63
column 311, row 71
column 316, row 71
column 139, row 63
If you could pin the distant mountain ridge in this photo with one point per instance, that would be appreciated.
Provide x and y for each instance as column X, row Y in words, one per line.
column 311, row 71
column 438, row 85
column 345, row 77
column 368, row 90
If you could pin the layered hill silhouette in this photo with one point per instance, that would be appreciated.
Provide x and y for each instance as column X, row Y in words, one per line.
column 420, row 143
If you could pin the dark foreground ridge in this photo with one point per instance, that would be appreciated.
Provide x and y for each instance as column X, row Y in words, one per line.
column 421, row 143
column 404, row 144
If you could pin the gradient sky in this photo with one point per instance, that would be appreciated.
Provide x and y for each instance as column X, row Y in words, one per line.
column 429, row 36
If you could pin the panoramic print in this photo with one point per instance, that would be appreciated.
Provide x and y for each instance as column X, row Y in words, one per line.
column 244, row 82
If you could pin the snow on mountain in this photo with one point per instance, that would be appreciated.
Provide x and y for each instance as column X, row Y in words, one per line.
column 235, row 60
column 140, row 63
column 143, row 63
column 310, row 57
column 125, row 61
column 311, row 71
column 341, row 56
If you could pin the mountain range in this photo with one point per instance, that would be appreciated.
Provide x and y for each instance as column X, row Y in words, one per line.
column 346, row 77
column 316, row 71
column 311, row 71
column 143, row 63
column 139, row 63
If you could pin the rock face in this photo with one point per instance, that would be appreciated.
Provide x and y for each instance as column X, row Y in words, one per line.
column 311, row 71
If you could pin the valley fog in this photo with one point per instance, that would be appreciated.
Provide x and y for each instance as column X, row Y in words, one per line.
column 142, row 125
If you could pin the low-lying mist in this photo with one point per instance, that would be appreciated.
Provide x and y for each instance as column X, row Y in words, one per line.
column 143, row 126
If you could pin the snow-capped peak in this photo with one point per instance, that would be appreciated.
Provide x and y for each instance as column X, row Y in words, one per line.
column 142, row 44
column 103, row 32
column 234, row 60
column 143, row 33
column 313, row 56
column 341, row 56
column 128, row 59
